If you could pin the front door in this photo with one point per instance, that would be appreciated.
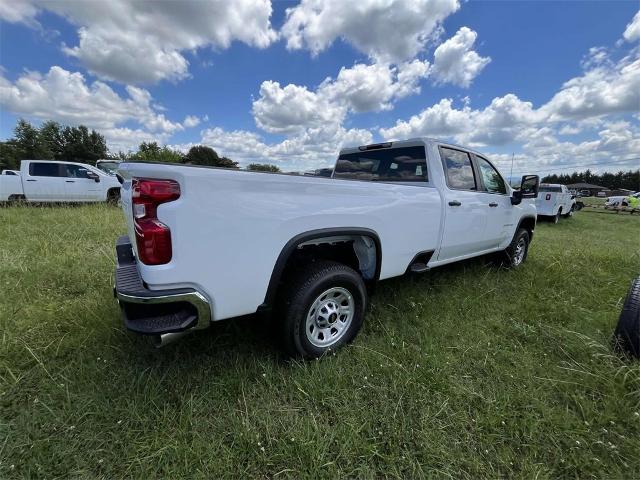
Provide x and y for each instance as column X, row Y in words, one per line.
column 465, row 210
column 79, row 188
column 497, row 202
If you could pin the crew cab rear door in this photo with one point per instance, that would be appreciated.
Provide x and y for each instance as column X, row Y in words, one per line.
column 466, row 210
column 44, row 182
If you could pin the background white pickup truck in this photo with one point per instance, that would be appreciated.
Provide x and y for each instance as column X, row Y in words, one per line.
column 554, row 201
column 54, row 181
column 210, row 244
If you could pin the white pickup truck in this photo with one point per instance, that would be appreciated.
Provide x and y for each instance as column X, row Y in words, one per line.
column 55, row 181
column 206, row 244
column 554, row 201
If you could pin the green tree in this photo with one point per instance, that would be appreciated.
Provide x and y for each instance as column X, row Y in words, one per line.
column 28, row 142
column 263, row 167
column 81, row 145
column 51, row 139
column 9, row 155
column 152, row 152
column 203, row 155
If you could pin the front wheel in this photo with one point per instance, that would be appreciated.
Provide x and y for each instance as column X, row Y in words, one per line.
column 516, row 253
column 570, row 213
column 322, row 309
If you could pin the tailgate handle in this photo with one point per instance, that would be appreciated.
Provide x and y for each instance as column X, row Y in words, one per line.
column 454, row 203
column 493, row 204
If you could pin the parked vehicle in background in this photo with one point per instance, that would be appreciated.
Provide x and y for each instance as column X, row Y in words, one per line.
column 555, row 200
column 10, row 172
column 108, row 166
column 620, row 200
column 601, row 194
column 206, row 244
column 56, row 181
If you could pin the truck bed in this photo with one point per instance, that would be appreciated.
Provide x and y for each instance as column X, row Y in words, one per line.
column 260, row 212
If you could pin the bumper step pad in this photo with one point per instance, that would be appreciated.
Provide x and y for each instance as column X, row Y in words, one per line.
column 149, row 312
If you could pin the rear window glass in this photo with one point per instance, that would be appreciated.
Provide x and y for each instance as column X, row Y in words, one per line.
column 404, row 164
column 458, row 169
column 549, row 188
column 42, row 169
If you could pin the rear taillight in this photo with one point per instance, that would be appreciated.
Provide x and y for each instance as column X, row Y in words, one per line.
column 153, row 237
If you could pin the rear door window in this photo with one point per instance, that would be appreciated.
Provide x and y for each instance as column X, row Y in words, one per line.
column 458, row 169
column 45, row 169
column 404, row 164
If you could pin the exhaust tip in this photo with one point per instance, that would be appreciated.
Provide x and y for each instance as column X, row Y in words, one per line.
column 165, row 339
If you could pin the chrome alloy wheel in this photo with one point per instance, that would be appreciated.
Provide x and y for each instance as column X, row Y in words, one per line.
column 521, row 249
column 329, row 317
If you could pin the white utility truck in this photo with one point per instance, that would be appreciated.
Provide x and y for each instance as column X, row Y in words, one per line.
column 55, row 181
column 206, row 244
column 554, row 201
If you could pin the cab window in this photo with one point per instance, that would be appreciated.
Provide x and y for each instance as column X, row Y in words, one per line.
column 74, row 171
column 45, row 169
column 458, row 169
column 491, row 179
column 402, row 164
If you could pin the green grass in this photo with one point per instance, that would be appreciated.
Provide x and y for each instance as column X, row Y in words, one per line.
column 467, row 371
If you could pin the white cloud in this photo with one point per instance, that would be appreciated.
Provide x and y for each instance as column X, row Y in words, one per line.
column 191, row 121
column 18, row 12
column 600, row 91
column 606, row 88
column 387, row 30
column 360, row 88
column 310, row 149
column 456, row 62
column 143, row 42
column 364, row 88
column 68, row 98
column 632, row 32
column 293, row 108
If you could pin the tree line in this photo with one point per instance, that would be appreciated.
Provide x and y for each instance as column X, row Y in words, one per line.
column 53, row 141
column 629, row 180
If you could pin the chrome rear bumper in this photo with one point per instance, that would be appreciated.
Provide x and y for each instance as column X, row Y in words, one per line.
column 163, row 313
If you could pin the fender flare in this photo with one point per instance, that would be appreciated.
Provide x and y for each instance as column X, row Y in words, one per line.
column 528, row 218
column 292, row 245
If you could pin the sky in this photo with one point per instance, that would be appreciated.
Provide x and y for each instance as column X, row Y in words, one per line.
column 552, row 86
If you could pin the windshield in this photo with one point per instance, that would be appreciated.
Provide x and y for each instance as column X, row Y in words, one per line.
column 108, row 167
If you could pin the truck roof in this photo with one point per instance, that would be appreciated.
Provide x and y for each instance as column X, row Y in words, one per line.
column 410, row 142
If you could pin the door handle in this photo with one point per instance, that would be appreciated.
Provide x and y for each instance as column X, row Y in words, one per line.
column 454, row 203
column 70, row 181
column 31, row 180
column 493, row 204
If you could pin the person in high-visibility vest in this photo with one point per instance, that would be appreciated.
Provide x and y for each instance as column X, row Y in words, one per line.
column 633, row 202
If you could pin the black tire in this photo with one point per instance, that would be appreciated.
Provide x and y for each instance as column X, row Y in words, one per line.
column 301, row 292
column 569, row 214
column 113, row 196
column 511, row 257
column 627, row 333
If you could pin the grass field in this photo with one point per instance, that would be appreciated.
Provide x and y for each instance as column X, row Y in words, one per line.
column 465, row 372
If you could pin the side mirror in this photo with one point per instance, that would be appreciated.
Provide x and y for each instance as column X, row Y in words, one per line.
column 528, row 189
column 93, row 176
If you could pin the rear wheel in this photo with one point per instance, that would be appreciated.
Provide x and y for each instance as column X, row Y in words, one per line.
column 322, row 309
column 556, row 217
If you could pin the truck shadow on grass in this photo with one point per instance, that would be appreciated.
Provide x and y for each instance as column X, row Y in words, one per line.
column 257, row 336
